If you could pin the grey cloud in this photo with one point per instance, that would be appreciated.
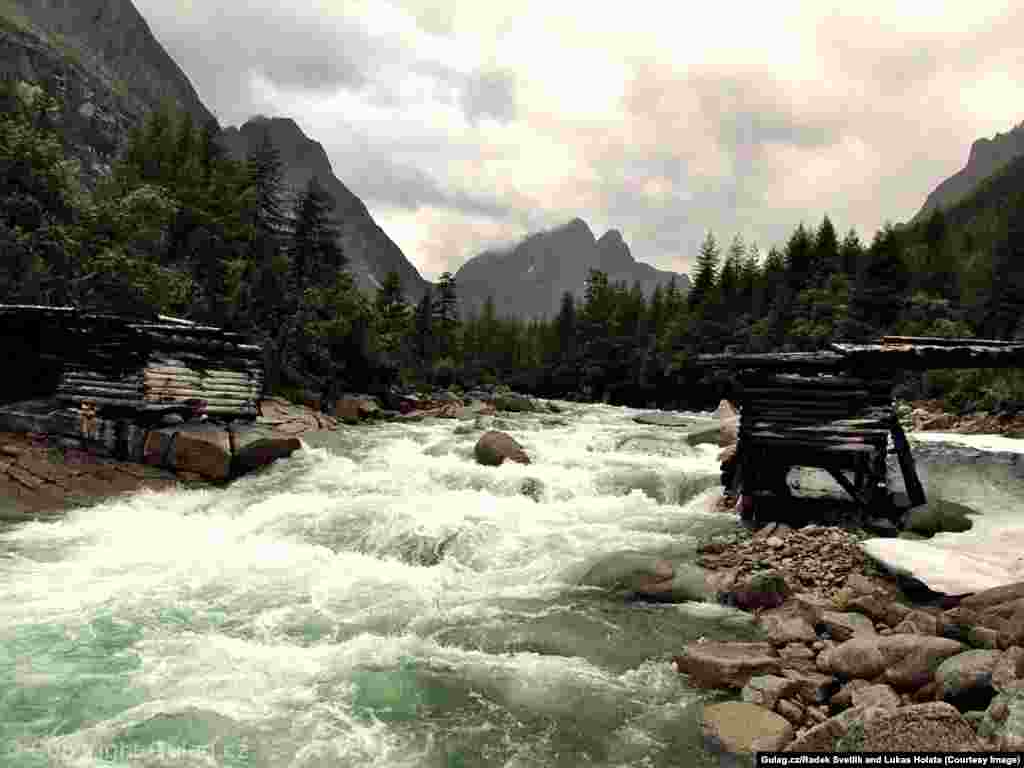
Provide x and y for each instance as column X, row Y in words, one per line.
column 490, row 94
column 368, row 167
column 752, row 110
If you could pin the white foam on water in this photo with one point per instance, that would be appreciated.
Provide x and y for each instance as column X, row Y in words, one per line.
column 989, row 553
column 259, row 602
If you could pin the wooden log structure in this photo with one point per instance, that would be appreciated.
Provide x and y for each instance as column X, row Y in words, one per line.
column 149, row 364
column 840, row 424
column 833, row 409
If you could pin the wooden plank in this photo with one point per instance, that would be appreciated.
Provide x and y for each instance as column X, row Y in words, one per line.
column 808, row 360
column 810, row 421
column 150, row 398
column 761, row 435
column 847, row 486
column 215, row 374
column 829, row 380
column 915, row 491
column 797, row 445
column 817, row 429
column 772, row 393
column 939, row 341
column 86, row 393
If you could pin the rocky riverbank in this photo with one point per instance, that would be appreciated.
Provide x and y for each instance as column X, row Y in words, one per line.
column 929, row 416
column 53, row 458
column 853, row 658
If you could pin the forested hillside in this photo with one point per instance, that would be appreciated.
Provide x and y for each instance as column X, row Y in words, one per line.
column 181, row 228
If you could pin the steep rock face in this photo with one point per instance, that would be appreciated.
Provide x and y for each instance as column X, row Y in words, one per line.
column 986, row 158
column 529, row 279
column 102, row 59
column 371, row 253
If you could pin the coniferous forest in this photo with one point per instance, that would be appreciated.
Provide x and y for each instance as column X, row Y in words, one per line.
column 180, row 228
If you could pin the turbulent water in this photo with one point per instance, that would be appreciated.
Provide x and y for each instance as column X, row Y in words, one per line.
column 376, row 600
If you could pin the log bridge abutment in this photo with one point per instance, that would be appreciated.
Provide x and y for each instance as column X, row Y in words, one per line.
column 834, row 410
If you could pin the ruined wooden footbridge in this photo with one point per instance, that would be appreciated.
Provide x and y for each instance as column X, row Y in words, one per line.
column 833, row 410
column 130, row 364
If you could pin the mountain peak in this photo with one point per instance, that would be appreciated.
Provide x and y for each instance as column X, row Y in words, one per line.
column 530, row 279
column 986, row 157
column 577, row 225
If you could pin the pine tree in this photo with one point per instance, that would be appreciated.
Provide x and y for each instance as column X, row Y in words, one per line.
column 851, row 253
column 825, row 261
column 750, row 272
column 729, row 280
column 565, row 322
column 446, row 314
column 313, row 248
column 266, row 178
column 1004, row 305
column 707, row 272
column 799, row 259
column 424, row 328
column 881, row 287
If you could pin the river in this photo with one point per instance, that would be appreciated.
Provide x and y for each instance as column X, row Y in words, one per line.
column 378, row 599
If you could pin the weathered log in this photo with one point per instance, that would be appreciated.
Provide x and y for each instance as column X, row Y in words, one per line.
column 797, row 382
column 210, row 401
column 759, row 435
column 939, row 341
column 98, row 389
column 202, row 392
column 155, row 369
column 792, row 447
column 915, row 491
column 781, row 360
column 804, row 421
column 814, row 429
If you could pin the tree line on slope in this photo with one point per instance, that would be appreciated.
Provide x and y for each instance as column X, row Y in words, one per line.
column 179, row 227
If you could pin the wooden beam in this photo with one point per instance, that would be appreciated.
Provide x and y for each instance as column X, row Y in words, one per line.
column 915, row 491
column 847, row 486
column 939, row 341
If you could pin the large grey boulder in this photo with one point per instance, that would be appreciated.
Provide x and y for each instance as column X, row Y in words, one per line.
column 767, row 690
column 202, row 449
column 727, row 665
column 906, row 662
column 648, row 576
column 514, row 403
column 493, row 448
column 965, row 680
column 936, row 517
column 254, row 446
column 738, row 727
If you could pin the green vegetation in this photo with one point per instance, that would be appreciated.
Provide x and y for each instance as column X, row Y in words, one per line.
column 181, row 228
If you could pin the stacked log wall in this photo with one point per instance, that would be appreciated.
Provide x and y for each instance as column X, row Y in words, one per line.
column 136, row 364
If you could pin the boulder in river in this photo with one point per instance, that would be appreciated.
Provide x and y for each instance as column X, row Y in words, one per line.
column 727, row 665
column 938, row 516
column 493, row 448
column 203, row 449
column 253, row 446
column 514, row 403
column 659, row 419
column 649, row 577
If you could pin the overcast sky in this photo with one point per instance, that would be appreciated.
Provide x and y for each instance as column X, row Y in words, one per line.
column 466, row 124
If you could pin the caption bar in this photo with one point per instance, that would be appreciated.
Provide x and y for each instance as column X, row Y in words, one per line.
column 981, row 759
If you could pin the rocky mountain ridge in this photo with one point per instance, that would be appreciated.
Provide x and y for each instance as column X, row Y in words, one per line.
column 987, row 156
column 371, row 253
column 529, row 278
column 102, row 60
